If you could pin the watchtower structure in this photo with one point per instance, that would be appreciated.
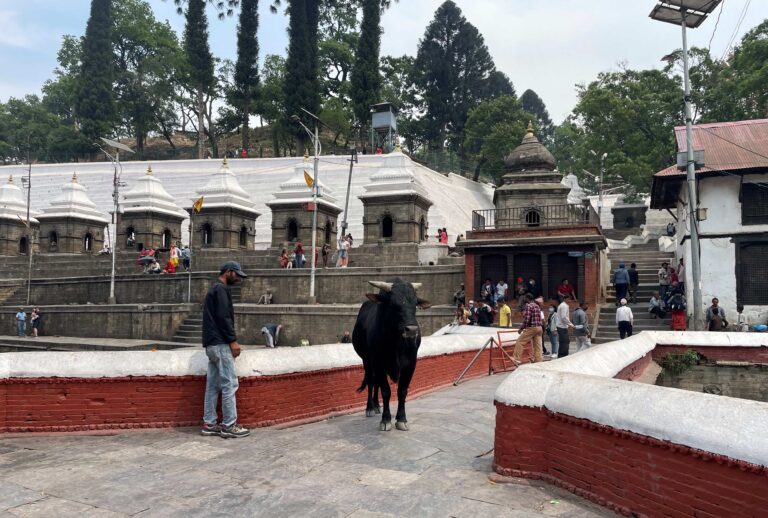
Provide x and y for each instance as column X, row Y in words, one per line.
column 383, row 126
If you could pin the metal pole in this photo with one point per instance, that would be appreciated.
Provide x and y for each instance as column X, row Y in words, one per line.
column 314, row 217
column 352, row 159
column 600, row 192
column 116, row 198
column 30, row 247
column 189, row 271
column 692, row 201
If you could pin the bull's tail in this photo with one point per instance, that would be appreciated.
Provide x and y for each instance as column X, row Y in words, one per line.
column 364, row 384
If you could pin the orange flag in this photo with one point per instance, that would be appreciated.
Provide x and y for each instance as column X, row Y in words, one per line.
column 198, row 205
column 308, row 179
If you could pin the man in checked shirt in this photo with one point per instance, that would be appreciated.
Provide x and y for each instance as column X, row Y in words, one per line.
column 530, row 330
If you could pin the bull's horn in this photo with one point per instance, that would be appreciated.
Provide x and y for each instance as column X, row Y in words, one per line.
column 416, row 285
column 386, row 286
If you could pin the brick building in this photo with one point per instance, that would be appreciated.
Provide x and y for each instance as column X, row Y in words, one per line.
column 533, row 232
column 14, row 236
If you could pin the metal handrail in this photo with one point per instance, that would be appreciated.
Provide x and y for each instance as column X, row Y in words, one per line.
column 564, row 215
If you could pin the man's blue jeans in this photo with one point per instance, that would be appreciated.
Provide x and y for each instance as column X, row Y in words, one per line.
column 20, row 326
column 221, row 379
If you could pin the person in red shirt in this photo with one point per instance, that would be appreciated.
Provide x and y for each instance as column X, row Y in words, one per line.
column 530, row 331
column 299, row 251
column 565, row 290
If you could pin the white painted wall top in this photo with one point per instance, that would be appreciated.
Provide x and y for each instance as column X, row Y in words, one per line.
column 148, row 194
column 73, row 202
column 582, row 386
column 394, row 179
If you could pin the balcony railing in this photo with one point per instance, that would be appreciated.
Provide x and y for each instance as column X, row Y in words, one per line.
column 566, row 215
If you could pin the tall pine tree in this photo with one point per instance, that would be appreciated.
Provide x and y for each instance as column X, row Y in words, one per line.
column 95, row 102
column 302, row 86
column 366, row 80
column 200, row 63
column 247, row 67
column 455, row 72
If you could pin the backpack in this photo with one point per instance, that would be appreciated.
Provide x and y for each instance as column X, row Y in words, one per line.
column 676, row 303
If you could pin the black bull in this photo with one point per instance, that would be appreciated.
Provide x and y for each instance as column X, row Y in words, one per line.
column 387, row 338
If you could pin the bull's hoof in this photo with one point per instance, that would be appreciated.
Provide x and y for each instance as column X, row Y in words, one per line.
column 377, row 409
column 370, row 412
column 401, row 425
column 385, row 426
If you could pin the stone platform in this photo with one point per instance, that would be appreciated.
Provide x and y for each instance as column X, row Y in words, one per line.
column 338, row 467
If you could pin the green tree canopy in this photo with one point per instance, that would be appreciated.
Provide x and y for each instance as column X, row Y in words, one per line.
column 246, row 77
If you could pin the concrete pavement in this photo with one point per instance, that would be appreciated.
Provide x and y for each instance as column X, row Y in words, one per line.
column 341, row 467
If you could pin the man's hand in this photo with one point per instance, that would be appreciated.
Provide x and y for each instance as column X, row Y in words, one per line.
column 235, row 348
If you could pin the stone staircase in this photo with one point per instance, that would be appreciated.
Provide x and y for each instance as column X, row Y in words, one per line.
column 191, row 329
column 648, row 259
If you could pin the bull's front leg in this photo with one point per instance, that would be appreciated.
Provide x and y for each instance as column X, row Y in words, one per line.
column 401, row 423
column 386, row 392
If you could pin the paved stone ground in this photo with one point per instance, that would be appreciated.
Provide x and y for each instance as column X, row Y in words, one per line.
column 339, row 467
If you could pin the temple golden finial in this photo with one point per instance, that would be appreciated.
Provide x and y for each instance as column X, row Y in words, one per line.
column 398, row 149
column 306, row 155
column 149, row 170
column 225, row 163
column 10, row 178
column 74, row 177
column 530, row 128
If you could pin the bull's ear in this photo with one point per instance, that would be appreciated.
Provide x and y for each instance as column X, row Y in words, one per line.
column 423, row 304
column 374, row 297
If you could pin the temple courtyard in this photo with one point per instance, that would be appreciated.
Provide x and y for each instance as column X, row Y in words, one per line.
column 337, row 467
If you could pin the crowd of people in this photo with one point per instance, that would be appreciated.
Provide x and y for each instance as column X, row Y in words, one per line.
column 178, row 257
column 35, row 321
column 297, row 259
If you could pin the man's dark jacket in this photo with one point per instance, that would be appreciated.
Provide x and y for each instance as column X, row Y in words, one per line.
column 218, row 316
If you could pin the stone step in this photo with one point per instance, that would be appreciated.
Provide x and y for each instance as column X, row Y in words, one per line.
column 187, row 339
column 182, row 332
column 191, row 327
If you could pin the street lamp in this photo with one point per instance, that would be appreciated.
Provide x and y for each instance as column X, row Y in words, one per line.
column 689, row 13
column 600, row 188
column 116, row 198
column 316, row 141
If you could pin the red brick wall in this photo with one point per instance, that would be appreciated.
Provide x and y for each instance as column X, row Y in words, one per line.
column 591, row 279
column 752, row 354
column 72, row 404
column 626, row 472
column 630, row 473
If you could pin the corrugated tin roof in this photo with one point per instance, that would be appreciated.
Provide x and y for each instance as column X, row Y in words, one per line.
column 728, row 146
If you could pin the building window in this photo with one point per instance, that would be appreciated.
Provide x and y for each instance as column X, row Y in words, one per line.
column 422, row 230
column 87, row 242
column 53, row 240
column 532, row 218
column 386, row 227
column 752, row 273
column 23, row 246
column 207, row 234
column 292, row 230
column 167, row 237
column 130, row 237
column 243, row 236
column 328, row 232
column 754, row 204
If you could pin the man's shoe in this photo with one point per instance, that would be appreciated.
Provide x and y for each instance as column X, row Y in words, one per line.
column 234, row 431
column 210, row 429
column 554, row 356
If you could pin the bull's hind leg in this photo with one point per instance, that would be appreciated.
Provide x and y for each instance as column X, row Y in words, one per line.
column 376, row 406
column 401, row 423
column 386, row 417
column 372, row 405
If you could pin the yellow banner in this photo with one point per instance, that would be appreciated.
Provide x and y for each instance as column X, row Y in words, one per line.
column 308, row 179
column 198, row 205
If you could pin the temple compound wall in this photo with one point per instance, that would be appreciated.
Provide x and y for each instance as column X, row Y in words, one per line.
column 639, row 449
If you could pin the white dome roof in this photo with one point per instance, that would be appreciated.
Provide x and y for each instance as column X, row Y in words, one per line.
column 12, row 203
column 223, row 190
column 73, row 202
column 148, row 194
column 394, row 179
column 296, row 189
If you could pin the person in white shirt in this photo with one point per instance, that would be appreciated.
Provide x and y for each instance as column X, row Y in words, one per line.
column 624, row 319
column 563, row 323
column 501, row 290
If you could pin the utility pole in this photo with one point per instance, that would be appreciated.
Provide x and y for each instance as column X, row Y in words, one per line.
column 352, row 161
column 30, row 231
column 314, row 215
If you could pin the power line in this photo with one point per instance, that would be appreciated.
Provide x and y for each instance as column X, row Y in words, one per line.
column 736, row 30
column 709, row 47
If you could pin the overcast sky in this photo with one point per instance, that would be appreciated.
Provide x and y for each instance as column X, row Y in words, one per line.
column 547, row 45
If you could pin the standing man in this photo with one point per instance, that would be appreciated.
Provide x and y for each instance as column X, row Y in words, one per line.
column 299, row 251
column 530, row 331
column 221, row 347
column 625, row 319
column 621, row 282
column 581, row 327
column 505, row 314
column 634, row 282
column 681, row 275
column 484, row 314
column 710, row 312
column 664, row 281
column 501, row 290
column 21, row 323
column 563, row 324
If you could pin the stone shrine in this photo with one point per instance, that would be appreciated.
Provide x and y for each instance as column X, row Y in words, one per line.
column 72, row 224
column 292, row 212
column 227, row 216
column 150, row 216
column 395, row 206
column 14, row 236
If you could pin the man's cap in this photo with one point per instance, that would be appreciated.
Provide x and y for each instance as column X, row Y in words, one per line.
column 234, row 266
